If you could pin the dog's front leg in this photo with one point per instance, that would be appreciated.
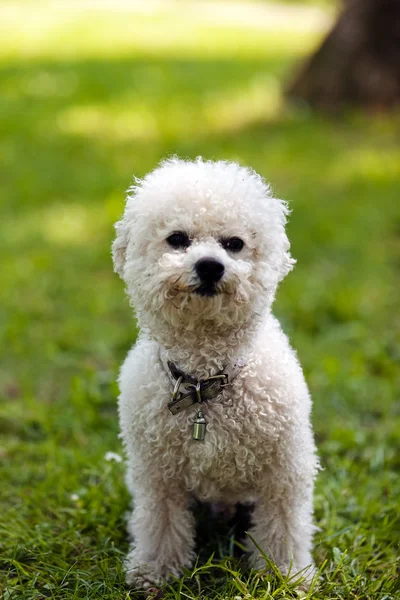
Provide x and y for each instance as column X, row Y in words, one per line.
column 283, row 529
column 163, row 535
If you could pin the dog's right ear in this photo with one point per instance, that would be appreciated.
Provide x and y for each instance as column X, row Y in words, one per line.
column 119, row 247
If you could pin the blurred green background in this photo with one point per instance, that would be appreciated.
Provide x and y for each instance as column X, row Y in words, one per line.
column 92, row 93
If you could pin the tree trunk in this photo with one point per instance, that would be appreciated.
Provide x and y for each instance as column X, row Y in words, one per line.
column 358, row 63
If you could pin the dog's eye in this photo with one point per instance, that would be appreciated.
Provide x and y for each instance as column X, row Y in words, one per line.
column 178, row 239
column 233, row 244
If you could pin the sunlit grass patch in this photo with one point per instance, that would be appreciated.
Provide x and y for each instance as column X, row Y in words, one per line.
column 37, row 30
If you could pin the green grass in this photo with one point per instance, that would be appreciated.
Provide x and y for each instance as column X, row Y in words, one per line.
column 89, row 98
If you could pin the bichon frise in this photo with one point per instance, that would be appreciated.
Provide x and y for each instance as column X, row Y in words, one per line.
column 213, row 401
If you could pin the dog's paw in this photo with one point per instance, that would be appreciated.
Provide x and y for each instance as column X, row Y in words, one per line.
column 142, row 576
column 302, row 578
column 152, row 574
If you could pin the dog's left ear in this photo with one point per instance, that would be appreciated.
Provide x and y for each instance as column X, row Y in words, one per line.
column 287, row 265
column 285, row 262
column 119, row 247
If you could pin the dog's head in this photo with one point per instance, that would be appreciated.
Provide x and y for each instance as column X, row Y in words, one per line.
column 202, row 241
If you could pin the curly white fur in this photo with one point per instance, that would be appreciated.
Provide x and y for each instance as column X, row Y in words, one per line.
column 259, row 444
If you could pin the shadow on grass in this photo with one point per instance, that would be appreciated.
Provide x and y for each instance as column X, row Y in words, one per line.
column 78, row 130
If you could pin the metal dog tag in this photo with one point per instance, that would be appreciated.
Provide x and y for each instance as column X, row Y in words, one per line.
column 199, row 427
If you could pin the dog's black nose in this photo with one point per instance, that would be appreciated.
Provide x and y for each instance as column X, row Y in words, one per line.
column 209, row 270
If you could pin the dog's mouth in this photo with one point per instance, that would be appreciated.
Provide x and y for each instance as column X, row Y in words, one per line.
column 206, row 290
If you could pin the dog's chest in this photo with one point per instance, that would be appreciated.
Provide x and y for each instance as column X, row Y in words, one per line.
column 241, row 432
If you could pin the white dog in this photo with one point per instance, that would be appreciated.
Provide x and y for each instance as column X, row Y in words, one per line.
column 213, row 401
